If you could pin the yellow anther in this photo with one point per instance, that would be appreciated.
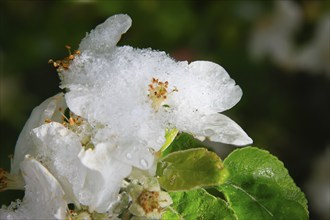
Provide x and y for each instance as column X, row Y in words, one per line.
column 64, row 64
column 158, row 92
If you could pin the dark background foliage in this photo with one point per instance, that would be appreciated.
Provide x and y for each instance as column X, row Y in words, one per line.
column 285, row 111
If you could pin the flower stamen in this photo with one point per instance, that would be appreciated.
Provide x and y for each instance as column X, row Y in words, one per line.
column 10, row 181
column 158, row 92
column 64, row 64
column 72, row 120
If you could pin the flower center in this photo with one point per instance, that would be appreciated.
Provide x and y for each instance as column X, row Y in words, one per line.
column 148, row 200
column 158, row 92
column 76, row 124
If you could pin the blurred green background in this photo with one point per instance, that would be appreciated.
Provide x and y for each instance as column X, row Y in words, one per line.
column 285, row 104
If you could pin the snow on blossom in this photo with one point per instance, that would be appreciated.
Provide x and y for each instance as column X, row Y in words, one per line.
column 135, row 94
column 121, row 101
column 91, row 177
column 43, row 195
column 89, row 174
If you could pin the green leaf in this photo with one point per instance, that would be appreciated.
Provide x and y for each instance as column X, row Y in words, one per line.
column 259, row 187
column 197, row 204
column 182, row 141
column 188, row 169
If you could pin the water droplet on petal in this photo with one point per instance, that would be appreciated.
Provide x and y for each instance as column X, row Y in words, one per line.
column 225, row 80
column 208, row 132
column 129, row 156
column 144, row 163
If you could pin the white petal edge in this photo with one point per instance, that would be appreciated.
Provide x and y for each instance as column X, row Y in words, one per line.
column 230, row 94
column 107, row 34
column 46, row 110
column 57, row 148
column 43, row 195
column 220, row 128
column 80, row 102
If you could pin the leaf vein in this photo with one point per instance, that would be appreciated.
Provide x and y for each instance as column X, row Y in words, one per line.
column 254, row 199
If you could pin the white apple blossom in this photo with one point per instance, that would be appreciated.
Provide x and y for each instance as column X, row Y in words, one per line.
column 274, row 37
column 148, row 202
column 122, row 101
column 43, row 195
column 135, row 94
column 315, row 56
column 91, row 177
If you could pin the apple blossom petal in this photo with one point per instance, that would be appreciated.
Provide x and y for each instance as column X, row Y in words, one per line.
column 107, row 34
column 57, row 148
column 112, row 171
column 43, row 194
column 46, row 110
column 215, row 89
column 220, row 128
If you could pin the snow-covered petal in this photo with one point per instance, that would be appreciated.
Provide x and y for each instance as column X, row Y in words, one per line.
column 57, row 148
column 43, row 195
column 95, row 185
column 215, row 91
column 107, row 34
column 113, row 87
column 220, row 128
column 46, row 110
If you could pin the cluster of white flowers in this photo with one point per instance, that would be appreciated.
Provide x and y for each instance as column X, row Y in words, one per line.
column 120, row 101
column 274, row 37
